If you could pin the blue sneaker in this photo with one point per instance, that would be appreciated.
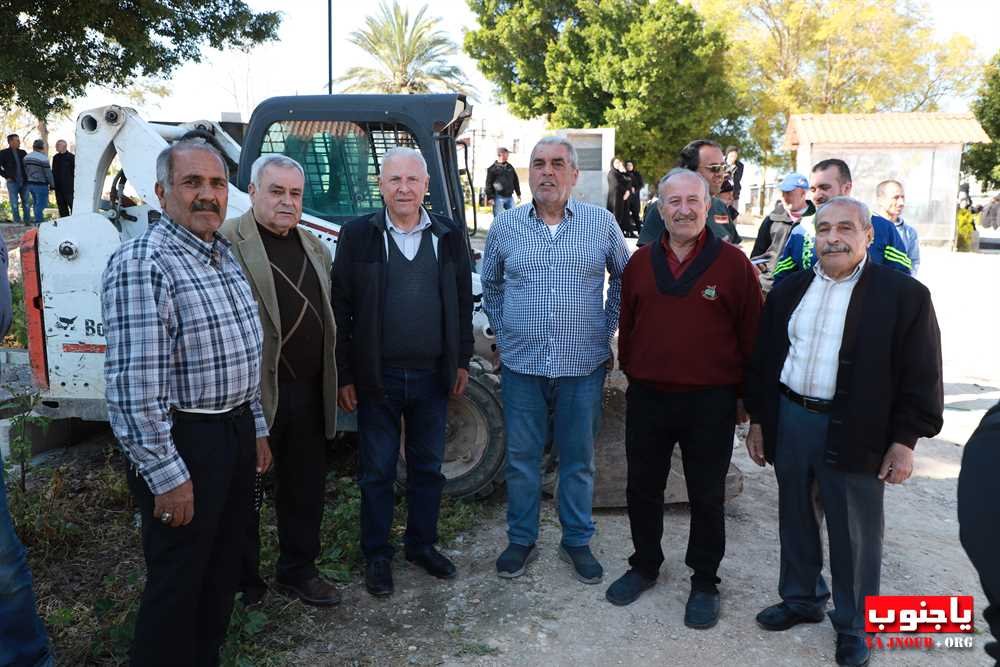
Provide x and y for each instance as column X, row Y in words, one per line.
column 585, row 566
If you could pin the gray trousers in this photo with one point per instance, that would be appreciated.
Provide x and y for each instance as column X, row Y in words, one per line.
column 854, row 522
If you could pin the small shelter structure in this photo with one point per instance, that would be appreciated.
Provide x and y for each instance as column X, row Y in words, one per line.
column 923, row 151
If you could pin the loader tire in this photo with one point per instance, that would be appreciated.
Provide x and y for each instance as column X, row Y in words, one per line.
column 474, row 442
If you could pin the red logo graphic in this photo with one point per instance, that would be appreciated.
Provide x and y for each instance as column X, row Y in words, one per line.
column 918, row 613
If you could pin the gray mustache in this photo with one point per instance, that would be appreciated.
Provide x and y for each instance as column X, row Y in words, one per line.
column 204, row 205
column 838, row 247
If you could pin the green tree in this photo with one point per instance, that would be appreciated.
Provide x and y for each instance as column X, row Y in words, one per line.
column 851, row 56
column 983, row 160
column 411, row 54
column 649, row 68
column 54, row 49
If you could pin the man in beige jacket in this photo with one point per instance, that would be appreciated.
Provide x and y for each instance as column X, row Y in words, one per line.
column 289, row 271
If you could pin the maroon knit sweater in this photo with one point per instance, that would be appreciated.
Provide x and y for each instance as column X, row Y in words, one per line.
column 690, row 332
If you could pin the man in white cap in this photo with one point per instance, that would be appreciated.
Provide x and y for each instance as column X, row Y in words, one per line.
column 785, row 220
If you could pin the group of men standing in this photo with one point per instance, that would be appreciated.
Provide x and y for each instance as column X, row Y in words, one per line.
column 30, row 175
column 231, row 343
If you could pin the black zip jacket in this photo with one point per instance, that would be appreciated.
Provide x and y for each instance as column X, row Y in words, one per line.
column 358, row 295
column 889, row 382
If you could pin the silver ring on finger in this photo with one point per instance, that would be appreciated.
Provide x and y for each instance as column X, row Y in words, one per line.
column 166, row 517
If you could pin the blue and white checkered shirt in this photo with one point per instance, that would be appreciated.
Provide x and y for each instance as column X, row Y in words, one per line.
column 183, row 332
column 544, row 292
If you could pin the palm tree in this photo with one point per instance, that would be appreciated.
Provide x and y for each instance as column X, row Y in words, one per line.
column 411, row 55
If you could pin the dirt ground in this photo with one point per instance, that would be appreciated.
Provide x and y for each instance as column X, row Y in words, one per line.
column 548, row 618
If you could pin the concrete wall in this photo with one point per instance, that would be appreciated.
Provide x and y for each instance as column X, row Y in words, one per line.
column 929, row 174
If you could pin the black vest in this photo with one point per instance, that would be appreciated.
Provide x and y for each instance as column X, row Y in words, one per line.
column 411, row 323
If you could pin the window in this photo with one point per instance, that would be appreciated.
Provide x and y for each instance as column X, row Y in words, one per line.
column 341, row 159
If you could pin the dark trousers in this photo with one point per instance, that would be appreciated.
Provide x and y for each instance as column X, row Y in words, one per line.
column 633, row 212
column 420, row 399
column 298, row 445
column 979, row 515
column 703, row 422
column 852, row 503
column 64, row 200
column 192, row 572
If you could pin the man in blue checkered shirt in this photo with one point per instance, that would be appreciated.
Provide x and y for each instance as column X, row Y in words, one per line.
column 182, row 376
column 543, row 278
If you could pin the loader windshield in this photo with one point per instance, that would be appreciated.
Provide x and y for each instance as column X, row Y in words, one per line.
column 341, row 160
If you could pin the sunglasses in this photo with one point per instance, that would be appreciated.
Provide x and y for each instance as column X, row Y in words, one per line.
column 715, row 168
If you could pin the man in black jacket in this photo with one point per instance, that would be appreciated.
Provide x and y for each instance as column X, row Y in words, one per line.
column 502, row 183
column 844, row 379
column 12, row 169
column 63, row 169
column 402, row 298
column 979, row 515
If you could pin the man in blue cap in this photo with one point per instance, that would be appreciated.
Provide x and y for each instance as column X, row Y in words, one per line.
column 777, row 228
column 832, row 178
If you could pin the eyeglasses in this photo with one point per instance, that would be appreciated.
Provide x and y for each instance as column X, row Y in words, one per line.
column 715, row 168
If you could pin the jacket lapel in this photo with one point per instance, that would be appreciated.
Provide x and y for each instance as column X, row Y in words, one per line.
column 258, row 266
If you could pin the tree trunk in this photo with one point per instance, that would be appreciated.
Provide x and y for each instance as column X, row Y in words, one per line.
column 43, row 132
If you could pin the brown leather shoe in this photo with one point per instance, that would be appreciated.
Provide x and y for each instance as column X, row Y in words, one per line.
column 315, row 592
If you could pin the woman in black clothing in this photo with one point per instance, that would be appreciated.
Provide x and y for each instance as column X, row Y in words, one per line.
column 618, row 193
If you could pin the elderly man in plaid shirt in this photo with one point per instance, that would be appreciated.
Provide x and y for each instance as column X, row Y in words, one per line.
column 183, row 390
column 543, row 282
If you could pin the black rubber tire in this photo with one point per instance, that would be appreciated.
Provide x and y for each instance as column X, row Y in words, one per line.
column 475, row 442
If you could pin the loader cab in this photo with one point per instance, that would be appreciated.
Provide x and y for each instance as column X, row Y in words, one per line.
column 340, row 141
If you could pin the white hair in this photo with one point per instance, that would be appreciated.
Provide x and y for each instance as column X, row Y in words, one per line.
column 404, row 151
column 862, row 209
column 678, row 171
column 272, row 160
column 557, row 141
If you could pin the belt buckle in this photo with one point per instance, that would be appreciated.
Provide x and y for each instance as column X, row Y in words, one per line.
column 811, row 404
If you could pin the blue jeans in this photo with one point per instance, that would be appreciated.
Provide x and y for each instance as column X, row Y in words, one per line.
column 18, row 191
column 575, row 406
column 419, row 397
column 39, row 199
column 501, row 204
column 23, row 642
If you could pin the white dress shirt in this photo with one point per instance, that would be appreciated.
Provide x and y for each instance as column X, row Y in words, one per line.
column 815, row 332
column 409, row 242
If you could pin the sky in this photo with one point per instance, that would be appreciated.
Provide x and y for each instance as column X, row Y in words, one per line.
column 297, row 62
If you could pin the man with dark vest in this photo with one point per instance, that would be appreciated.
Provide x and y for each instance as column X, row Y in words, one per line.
column 402, row 296
column 289, row 272
column 684, row 384
column 845, row 378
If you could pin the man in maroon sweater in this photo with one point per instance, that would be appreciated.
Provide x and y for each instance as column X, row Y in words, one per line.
column 690, row 305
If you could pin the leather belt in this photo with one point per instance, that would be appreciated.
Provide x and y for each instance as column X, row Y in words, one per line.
column 820, row 405
column 238, row 411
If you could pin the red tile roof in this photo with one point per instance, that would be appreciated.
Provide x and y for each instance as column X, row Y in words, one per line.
column 884, row 129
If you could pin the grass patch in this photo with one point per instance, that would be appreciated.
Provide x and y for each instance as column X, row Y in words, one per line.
column 78, row 520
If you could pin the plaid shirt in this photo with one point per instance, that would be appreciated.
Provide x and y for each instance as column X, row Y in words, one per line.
column 544, row 293
column 183, row 332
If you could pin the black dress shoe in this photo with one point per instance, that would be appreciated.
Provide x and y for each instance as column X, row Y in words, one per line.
column 780, row 617
column 433, row 561
column 702, row 611
column 852, row 650
column 314, row 592
column 378, row 577
column 627, row 588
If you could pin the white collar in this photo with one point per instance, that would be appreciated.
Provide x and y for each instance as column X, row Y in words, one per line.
column 425, row 222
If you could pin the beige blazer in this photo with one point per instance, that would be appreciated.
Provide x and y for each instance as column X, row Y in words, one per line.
column 249, row 250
